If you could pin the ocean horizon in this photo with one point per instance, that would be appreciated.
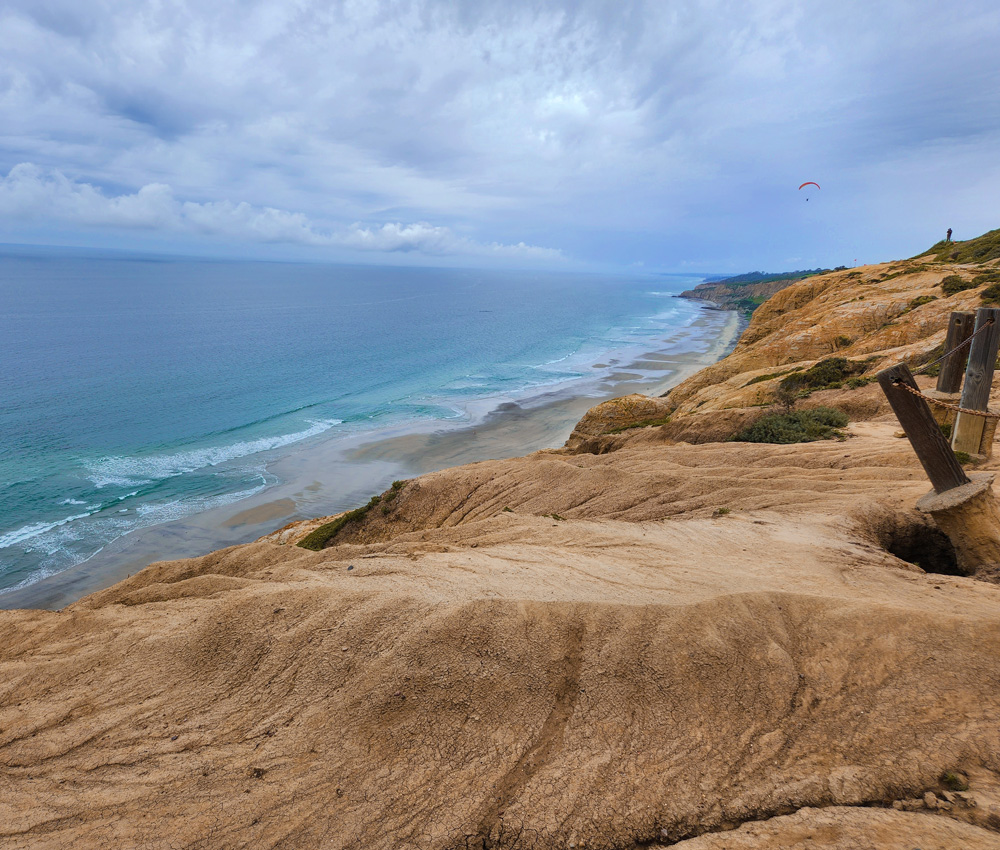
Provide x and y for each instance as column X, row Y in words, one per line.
column 139, row 391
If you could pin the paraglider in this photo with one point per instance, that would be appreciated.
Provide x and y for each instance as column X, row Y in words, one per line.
column 808, row 183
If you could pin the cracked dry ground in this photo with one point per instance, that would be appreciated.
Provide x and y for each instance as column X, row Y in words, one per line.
column 640, row 673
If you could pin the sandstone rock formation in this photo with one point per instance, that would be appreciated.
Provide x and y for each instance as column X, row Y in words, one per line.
column 616, row 416
column 721, row 645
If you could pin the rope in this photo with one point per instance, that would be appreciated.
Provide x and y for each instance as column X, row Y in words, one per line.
column 958, row 347
column 984, row 413
column 914, row 391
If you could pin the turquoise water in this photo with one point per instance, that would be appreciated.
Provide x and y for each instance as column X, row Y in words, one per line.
column 139, row 391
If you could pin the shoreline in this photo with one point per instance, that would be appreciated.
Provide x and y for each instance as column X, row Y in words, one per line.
column 355, row 467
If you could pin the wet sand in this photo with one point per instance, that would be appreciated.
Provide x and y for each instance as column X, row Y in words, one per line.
column 262, row 513
column 328, row 476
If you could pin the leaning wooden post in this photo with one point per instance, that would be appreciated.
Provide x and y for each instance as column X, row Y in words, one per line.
column 970, row 429
column 965, row 509
column 923, row 432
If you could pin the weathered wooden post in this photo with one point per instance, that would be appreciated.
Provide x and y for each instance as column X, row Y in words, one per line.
column 965, row 509
column 949, row 382
column 970, row 433
column 960, row 325
column 923, row 432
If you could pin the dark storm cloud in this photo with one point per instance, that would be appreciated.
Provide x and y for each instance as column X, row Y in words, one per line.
column 661, row 132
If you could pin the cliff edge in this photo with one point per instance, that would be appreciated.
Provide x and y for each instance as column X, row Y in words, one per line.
column 744, row 293
column 651, row 637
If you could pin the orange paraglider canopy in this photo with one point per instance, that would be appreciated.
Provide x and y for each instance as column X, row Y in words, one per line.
column 810, row 183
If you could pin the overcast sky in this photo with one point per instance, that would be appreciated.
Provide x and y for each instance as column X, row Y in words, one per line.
column 655, row 135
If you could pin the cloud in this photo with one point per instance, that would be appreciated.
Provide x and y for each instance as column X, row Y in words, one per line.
column 616, row 129
column 399, row 237
column 30, row 192
column 429, row 239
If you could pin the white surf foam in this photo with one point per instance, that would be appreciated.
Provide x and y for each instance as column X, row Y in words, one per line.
column 35, row 529
column 136, row 471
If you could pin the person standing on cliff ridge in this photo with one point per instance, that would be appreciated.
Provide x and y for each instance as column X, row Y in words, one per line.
column 948, row 237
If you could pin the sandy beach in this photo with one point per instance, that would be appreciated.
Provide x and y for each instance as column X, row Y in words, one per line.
column 324, row 476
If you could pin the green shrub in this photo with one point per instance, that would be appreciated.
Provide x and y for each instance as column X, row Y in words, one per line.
column 920, row 300
column 963, row 457
column 747, row 304
column 772, row 375
column 317, row 539
column 954, row 781
column 827, row 374
column 946, row 430
column 953, row 283
column 857, row 383
column 897, row 272
column 393, row 491
column 991, row 295
column 797, row 426
column 842, row 341
column 978, row 250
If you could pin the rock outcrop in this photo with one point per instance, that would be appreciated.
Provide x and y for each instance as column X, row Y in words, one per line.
column 615, row 417
column 876, row 314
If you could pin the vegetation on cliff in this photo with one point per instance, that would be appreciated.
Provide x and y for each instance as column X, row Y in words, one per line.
column 827, row 335
column 979, row 250
column 762, row 277
column 795, row 426
column 322, row 536
column 746, row 292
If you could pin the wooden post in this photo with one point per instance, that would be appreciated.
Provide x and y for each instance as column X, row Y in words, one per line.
column 968, row 432
column 953, row 367
column 938, row 460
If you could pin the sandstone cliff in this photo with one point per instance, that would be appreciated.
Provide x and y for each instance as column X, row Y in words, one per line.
column 649, row 638
column 745, row 297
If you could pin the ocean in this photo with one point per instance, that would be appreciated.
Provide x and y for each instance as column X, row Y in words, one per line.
column 139, row 391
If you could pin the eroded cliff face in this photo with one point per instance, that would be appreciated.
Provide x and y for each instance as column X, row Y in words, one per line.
column 629, row 642
column 744, row 298
column 881, row 314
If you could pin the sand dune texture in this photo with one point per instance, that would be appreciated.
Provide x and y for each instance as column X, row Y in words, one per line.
column 633, row 642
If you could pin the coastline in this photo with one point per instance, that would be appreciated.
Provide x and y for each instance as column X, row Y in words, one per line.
column 328, row 476
column 741, row 630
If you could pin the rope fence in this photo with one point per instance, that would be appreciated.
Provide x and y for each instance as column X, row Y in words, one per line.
column 958, row 347
column 985, row 414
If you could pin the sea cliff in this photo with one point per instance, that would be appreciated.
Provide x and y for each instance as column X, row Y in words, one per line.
column 652, row 636
column 744, row 293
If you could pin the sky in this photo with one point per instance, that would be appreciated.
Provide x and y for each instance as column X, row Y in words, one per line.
column 656, row 135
